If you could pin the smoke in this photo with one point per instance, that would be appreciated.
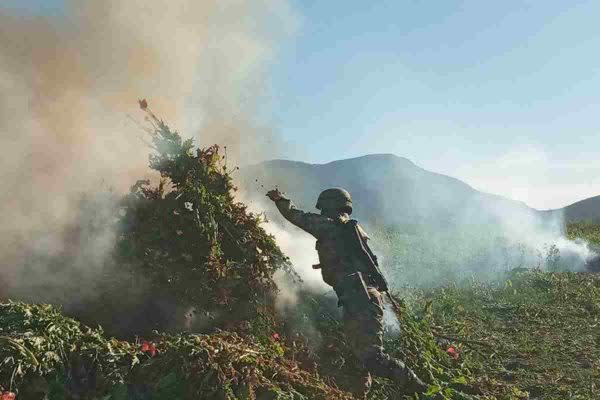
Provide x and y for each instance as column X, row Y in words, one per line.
column 300, row 248
column 542, row 179
column 296, row 244
column 540, row 239
column 432, row 229
column 429, row 229
column 68, row 83
column 486, row 238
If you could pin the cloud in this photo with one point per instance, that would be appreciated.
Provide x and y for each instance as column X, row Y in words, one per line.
column 534, row 176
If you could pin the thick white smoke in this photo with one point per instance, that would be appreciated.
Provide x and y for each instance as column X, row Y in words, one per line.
column 68, row 83
column 485, row 240
column 298, row 245
column 543, row 240
column 426, row 228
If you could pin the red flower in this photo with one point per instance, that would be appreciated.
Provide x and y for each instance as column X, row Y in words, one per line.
column 452, row 352
column 147, row 347
column 143, row 106
column 8, row 396
column 275, row 337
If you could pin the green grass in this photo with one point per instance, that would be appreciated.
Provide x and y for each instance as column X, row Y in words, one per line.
column 584, row 230
column 536, row 335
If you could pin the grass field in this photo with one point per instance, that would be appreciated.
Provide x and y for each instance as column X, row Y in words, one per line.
column 534, row 336
column 584, row 230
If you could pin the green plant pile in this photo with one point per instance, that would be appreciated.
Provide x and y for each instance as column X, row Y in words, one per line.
column 189, row 240
column 46, row 355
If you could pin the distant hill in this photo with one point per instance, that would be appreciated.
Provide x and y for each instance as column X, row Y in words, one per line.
column 386, row 189
column 583, row 210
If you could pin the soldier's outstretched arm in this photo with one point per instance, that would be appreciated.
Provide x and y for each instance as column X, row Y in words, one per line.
column 312, row 223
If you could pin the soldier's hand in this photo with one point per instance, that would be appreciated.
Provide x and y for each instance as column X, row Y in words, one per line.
column 274, row 195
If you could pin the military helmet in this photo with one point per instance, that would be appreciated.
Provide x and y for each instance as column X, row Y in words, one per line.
column 335, row 199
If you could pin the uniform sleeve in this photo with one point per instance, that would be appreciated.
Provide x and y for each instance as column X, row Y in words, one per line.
column 312, row 223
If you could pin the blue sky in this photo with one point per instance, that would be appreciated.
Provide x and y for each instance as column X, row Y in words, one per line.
column 467, row 78
column 481, row 90
column 504, row 95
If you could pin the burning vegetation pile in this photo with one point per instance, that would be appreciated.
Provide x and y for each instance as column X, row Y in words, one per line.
column 193, row 242
column 185, row 243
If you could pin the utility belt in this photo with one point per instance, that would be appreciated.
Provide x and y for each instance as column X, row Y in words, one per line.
column 354, row 287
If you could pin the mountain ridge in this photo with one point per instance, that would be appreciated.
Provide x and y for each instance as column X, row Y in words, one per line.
column 380, row 156
column 386, row 188
column 585, row 209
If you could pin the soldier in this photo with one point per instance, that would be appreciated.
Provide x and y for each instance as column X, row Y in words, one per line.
column 348, row 265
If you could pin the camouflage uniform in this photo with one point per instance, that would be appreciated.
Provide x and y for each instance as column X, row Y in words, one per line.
column 362, row 315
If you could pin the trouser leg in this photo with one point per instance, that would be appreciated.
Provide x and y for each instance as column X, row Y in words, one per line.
column 360, row 384
column 363, row 324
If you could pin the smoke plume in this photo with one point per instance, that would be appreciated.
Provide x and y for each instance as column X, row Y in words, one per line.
column 69, row 83
column 428, row 229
